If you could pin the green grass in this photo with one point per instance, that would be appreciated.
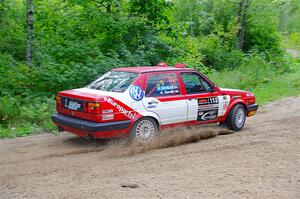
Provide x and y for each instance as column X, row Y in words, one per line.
column 267, row 85
column 26, row 117
column 291, row 41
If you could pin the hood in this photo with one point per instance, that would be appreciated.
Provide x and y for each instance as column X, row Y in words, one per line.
column 235, row 93
column 231, row 90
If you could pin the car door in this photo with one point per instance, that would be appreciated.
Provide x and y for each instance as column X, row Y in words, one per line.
column 204, row 104
column 163, row 96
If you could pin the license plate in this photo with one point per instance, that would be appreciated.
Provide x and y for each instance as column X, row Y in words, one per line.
column 72, row 104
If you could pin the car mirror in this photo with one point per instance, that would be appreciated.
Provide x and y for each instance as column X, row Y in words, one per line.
column 216, row 89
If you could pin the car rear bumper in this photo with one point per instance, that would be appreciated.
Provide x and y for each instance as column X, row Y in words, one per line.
column 252, row 109
column 88, row 126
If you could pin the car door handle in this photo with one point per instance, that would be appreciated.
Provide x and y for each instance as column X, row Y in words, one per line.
column 152, row 102
column 192, row 99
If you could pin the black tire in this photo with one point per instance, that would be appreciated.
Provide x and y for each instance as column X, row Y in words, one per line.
column 150, row 128
column 236, row 118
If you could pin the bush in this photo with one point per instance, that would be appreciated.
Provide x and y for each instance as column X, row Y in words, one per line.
column 216, row 55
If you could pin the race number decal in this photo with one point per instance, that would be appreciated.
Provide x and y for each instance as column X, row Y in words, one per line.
column 208, row 108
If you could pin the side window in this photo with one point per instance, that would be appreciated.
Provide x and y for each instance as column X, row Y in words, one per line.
column 162, row 85
column 194, row 83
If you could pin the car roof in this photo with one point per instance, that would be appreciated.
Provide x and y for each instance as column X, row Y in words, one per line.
column 147, row 69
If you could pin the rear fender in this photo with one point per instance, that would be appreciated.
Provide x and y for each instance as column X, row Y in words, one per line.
column 147, row 114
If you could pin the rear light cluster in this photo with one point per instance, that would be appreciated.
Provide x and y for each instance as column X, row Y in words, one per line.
column 58, row 101
column 89, row 107
column 93, row 108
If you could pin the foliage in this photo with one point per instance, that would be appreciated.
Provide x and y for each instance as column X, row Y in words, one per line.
column 262, row 26
column 289, row 15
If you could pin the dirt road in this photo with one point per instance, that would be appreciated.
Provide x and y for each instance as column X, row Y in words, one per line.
column 293, row 52
column 262, row 161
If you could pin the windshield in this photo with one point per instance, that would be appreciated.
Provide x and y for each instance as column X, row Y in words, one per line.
column 113, row 81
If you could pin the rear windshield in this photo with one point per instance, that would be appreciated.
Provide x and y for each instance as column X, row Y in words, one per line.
column 114, row 81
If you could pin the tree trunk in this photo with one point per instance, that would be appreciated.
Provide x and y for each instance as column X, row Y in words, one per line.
column 30, row 21
column 242, row 18
column 3, row 17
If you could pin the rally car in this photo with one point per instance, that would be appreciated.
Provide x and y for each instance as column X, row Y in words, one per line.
column 137, row 102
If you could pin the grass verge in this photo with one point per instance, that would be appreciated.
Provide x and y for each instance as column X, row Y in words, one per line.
column 268, row 84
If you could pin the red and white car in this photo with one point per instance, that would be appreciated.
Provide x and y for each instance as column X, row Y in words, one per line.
column 139, row 101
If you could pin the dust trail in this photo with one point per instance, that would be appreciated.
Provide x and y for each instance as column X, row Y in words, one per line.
column 167, row 138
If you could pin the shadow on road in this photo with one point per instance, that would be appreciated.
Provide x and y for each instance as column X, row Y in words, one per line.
column 78, row 141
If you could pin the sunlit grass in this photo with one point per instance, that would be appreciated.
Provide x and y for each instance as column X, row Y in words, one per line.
column 267, row 85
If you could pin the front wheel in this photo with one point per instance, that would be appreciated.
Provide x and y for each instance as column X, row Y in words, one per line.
column 144, row 130
column 236, row 118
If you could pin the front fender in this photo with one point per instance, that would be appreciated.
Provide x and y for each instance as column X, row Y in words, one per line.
column 231, row 105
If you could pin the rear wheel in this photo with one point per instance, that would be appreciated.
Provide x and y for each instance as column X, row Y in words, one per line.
column 144, row 130
column 236, row 118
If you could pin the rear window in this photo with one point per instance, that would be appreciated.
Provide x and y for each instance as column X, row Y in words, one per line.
column 114, row 81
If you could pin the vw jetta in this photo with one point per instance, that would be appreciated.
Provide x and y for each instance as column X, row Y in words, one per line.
column 140, row 101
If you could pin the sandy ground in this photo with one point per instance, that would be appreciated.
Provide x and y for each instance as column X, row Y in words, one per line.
column 262, row 161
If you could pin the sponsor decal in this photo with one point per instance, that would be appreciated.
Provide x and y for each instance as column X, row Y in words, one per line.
column 136, row 93
column 225, row 103
column 208, row 108
column 202, row 101
column 207, row 101
column 236, row 96
column 207, row 115
column 120, row 108
column 107, row 111
column 108, row 117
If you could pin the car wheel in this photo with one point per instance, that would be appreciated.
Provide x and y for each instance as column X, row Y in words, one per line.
column 236, row 118
column 144, row 130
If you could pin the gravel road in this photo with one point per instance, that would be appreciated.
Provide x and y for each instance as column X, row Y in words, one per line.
column 262, row 161
column 293, row 52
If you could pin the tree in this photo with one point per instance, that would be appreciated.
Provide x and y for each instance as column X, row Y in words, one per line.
column 30, row 21
column 242, row 17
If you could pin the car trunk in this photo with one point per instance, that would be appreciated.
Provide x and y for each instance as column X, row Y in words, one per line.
column 79, row 104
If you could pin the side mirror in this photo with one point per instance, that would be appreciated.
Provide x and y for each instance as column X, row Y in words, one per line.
column 216, row 89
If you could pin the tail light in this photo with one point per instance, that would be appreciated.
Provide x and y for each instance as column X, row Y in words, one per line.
column 94, row 108
column 58, row 101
